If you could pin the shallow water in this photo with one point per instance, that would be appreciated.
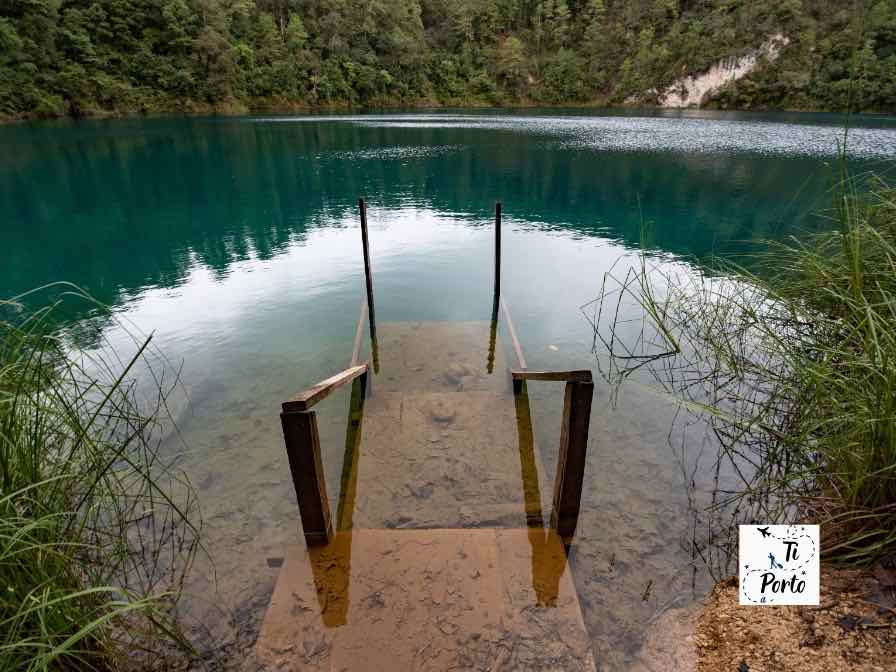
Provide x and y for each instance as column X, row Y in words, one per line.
column 236, row 241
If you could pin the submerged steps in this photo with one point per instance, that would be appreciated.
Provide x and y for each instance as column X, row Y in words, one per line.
column 444, row 443
column 442, row 459
column 395, row 600
column 439, row 357
column 440, row 559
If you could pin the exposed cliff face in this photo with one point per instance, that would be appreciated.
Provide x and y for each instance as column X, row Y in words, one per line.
column 691, row 91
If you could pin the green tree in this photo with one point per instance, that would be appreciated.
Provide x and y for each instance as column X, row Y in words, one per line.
column 594, row 41
column 563, row 79
column 81, row 56
column 510, row 63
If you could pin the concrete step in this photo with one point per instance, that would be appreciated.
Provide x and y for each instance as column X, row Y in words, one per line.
column 447, row 599
column 445, row 459
column 439, row 357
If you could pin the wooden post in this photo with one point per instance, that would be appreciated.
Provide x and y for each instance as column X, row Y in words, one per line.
column 497, row 256
column 528, row 470
column 303, row 450
column 374, row 354
column 492, row 344
column 349, row 480
column 497, row 294
column 571, row 460
column 365, row 384
column 368, row 279
column 367, row 274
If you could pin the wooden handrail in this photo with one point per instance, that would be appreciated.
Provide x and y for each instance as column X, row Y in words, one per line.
column 577, row 376
column 300, row 433
column 303, row 401
column 359, row 332
column 516, row 343
column 303, row 450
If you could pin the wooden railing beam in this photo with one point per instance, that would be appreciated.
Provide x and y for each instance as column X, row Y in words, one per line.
column 516, row 343
column 359, row 333
column 303, row 401
column 575, row 376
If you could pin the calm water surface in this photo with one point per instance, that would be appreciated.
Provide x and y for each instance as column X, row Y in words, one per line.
column 236, row 241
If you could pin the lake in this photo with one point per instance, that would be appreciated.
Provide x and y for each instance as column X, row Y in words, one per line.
column 236, row 242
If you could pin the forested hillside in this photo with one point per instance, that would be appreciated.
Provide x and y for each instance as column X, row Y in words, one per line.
column 119, row 56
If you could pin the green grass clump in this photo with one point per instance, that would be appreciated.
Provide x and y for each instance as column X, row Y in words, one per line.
column 791, row 364
column 95, row 530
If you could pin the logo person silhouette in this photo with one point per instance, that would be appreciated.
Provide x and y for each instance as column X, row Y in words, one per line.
column 774, row 564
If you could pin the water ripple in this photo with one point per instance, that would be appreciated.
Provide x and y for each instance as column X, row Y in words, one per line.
column 390, row 153
column 653, row 134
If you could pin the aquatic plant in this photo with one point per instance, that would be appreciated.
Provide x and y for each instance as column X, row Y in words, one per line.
column 791, row 364
column 96, row 530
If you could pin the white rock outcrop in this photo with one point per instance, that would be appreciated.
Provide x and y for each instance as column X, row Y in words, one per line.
column 690, row 91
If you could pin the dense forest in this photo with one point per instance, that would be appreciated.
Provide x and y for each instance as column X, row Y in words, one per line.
column 82, row 57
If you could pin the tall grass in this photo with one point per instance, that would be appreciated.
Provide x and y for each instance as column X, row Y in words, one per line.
column 792, row 365
column 96, row 531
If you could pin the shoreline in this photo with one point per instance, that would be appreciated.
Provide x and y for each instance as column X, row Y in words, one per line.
column 190, row 109
column 852, row 628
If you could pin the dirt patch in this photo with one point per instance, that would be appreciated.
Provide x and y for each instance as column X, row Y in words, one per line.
column 854, row 628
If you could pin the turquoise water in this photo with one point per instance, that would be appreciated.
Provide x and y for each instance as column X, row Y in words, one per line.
column 236, row 241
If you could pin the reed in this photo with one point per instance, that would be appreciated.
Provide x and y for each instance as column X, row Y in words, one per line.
column 790, row 363
column 96, row 530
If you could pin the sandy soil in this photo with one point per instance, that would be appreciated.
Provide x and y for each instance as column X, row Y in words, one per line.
column 854, row 628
